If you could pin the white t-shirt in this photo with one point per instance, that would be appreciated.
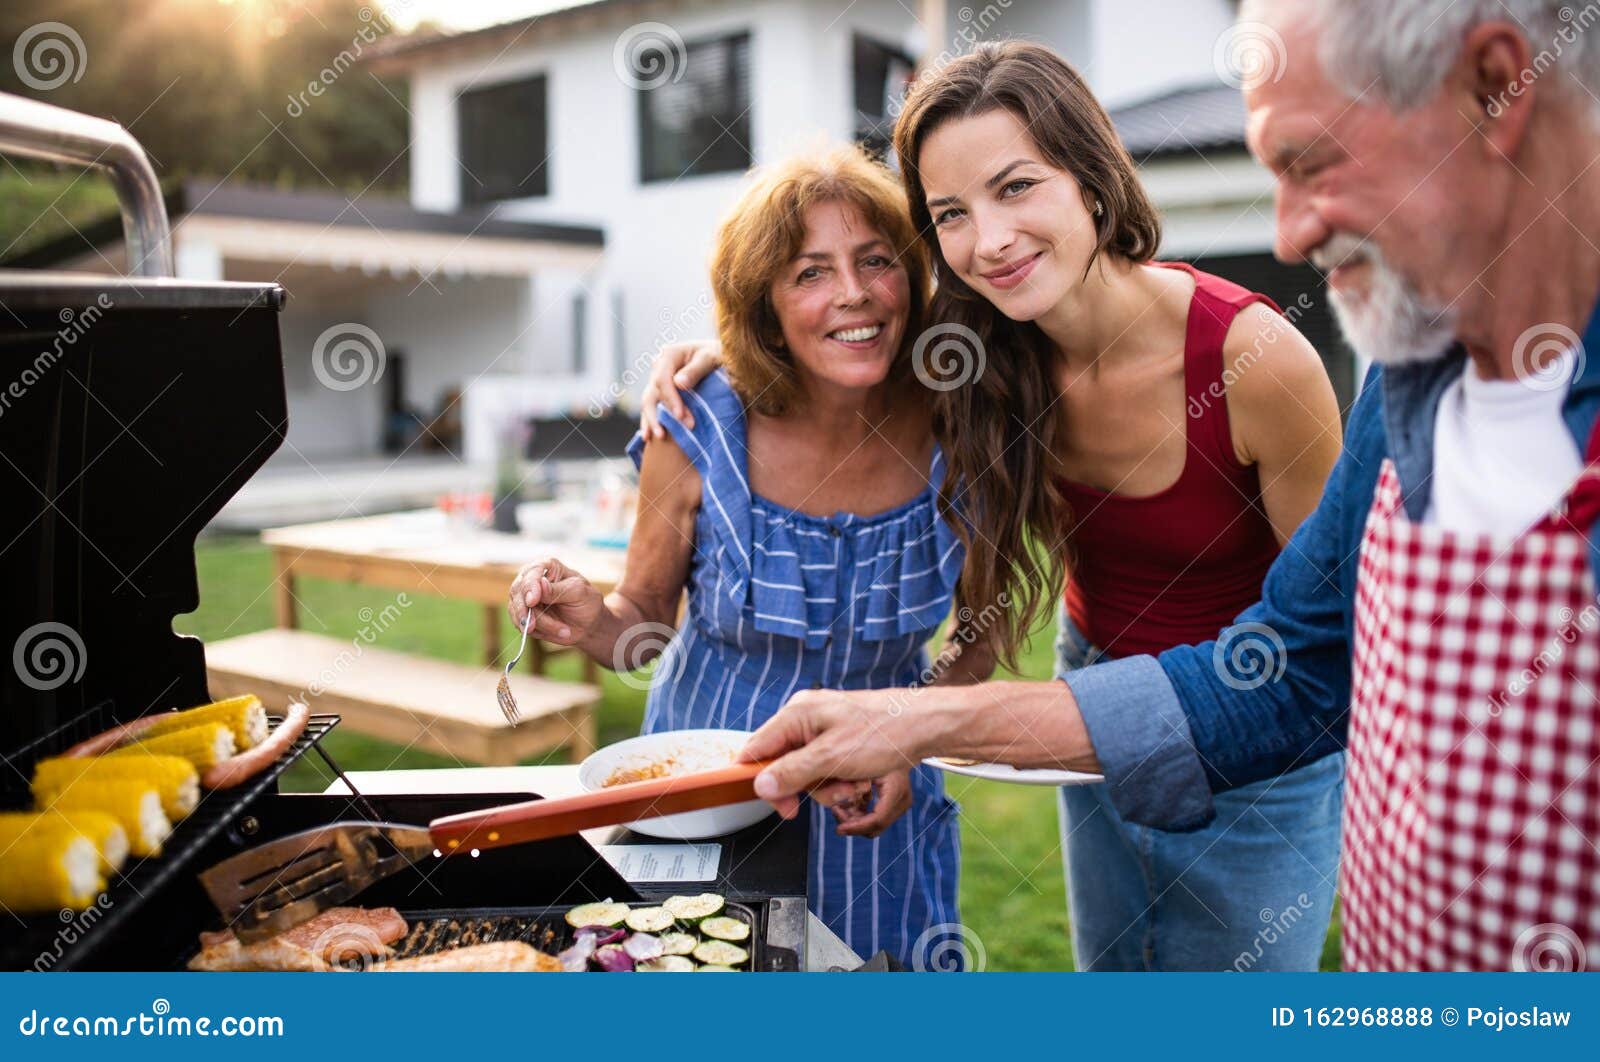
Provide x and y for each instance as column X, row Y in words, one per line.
column 1502, row 455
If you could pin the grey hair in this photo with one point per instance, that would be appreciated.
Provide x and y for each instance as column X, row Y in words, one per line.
column 1404, row 48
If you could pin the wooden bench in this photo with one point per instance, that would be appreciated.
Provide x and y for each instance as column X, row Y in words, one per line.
column 409, row 700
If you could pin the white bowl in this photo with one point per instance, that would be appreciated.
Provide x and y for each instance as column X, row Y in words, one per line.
column 697, row 750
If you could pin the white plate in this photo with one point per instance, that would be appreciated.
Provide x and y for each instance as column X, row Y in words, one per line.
column 1000, row 772
column 705, row 749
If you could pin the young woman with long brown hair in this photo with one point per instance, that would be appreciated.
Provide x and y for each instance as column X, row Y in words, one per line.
column 1148, row 433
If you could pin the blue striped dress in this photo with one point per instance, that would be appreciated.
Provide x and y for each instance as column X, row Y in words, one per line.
column 781, row 601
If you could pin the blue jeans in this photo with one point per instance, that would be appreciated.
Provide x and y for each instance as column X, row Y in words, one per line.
column 1253, row 890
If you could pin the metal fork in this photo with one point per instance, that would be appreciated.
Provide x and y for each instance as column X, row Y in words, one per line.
column 502, row 692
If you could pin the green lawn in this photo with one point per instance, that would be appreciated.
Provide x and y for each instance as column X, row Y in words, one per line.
column 39, row 204
column 1013, row 898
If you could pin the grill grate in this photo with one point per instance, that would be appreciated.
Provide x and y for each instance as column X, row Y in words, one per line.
column 16, row 767
column 543, row 927
column 446, row 931
column 26, row 939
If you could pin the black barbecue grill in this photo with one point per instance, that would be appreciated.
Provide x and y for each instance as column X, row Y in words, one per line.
column 151, row 917
column 131, row 410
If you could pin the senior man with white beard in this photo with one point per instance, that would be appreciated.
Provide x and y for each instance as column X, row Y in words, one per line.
column 1437, row 612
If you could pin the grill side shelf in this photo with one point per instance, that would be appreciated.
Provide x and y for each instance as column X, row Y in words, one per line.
column 59, row 941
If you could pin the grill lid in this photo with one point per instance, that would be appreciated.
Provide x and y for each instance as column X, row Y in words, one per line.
column 131, row 411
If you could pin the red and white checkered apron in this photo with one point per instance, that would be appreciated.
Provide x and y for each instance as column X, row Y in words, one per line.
column 1472, row 802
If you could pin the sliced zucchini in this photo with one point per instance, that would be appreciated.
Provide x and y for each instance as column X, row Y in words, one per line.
column 678, row 943
column 714, row 968
column 666, row 964
column 723, row 928
column 649, row 919
column 691, row 909
column 721, row 953
column 604, row 913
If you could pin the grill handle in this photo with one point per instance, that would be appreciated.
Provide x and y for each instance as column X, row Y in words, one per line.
column 538, row 820
column 45, row 131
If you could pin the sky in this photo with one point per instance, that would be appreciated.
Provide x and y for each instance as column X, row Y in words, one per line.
column 467, row 14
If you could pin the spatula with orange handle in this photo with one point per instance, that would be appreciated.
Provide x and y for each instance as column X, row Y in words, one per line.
column 278, row 885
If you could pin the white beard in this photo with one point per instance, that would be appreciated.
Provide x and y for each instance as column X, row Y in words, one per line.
column 1393, row 324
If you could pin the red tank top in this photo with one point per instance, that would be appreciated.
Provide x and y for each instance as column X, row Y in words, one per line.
column 1176, row 567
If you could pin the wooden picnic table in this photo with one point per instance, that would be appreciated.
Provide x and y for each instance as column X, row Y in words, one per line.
column 429, row 552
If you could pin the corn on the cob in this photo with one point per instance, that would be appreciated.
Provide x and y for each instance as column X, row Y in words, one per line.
column 103, row 829
column 245, row 716
column 105, row 832
column 136, row 805
column 204, row 746
column 49, row 867
column 175, row 779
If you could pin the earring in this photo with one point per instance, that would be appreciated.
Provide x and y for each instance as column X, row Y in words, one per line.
column 1099, row 208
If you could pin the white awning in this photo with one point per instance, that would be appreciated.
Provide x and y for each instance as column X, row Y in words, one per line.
column 373, row 250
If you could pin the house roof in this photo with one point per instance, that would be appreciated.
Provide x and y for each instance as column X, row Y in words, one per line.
column 1199, row 118
column 202, row 198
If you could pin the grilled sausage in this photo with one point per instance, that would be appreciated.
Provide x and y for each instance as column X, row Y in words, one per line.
column 230, row 772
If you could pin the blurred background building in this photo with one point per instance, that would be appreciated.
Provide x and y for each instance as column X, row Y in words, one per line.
column 505, row 275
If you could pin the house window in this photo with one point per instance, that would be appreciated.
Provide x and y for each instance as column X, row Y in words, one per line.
column 504, row 141
column 880, row 76
column 580, row 334
column 619, row 336
column 699, row 123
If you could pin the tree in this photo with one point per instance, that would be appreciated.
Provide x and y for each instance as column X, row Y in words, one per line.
column 223, row 88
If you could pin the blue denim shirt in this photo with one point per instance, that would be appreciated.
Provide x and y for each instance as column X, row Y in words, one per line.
column 1169, row 731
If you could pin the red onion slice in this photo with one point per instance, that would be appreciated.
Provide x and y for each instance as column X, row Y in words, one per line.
column 604, row 935
column 576, row 958
column 613, row 958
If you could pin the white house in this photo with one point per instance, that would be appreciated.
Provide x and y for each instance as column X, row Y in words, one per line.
column 568, row 172
column 639, row 117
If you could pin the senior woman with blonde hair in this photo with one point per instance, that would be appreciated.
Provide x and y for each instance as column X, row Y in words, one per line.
column 799, row 512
